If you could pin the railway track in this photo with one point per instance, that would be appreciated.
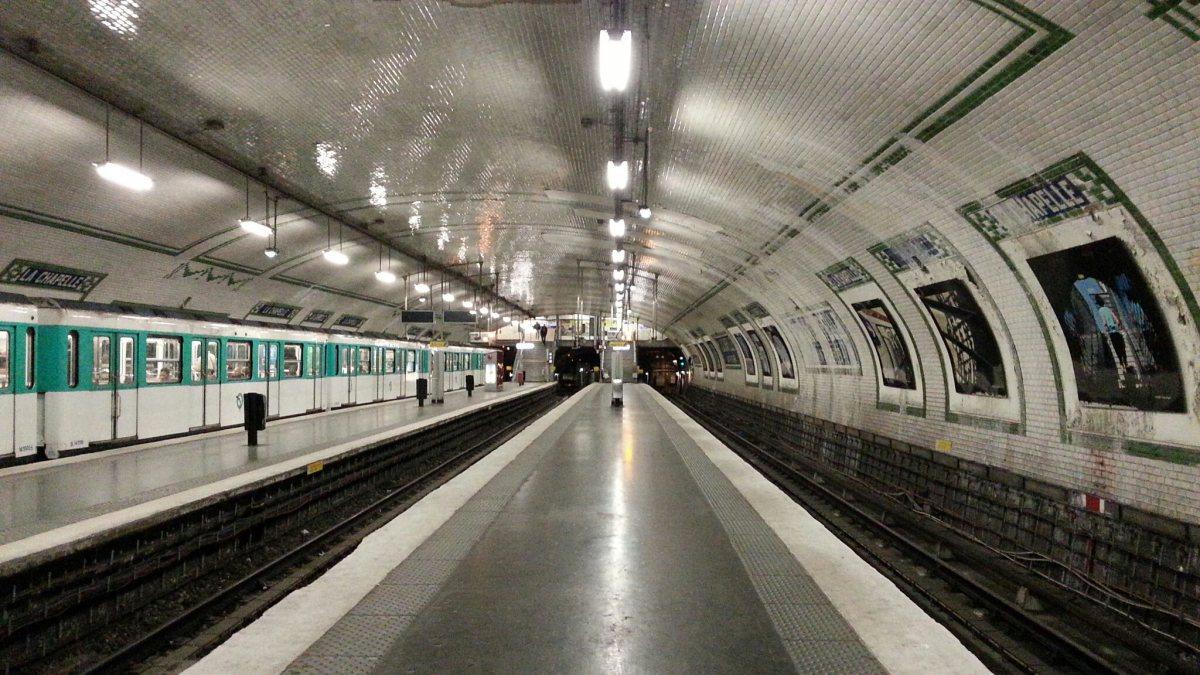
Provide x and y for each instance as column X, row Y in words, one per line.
column 158, row 598
column 1011, row 618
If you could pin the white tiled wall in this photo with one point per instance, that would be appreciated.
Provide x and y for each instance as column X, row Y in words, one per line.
column 1125, row 91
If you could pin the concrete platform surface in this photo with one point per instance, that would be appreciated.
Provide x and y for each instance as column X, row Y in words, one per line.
column 603, row 540
column 47, row 505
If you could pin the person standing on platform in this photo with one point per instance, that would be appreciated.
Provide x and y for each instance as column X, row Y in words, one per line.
column 543, row 330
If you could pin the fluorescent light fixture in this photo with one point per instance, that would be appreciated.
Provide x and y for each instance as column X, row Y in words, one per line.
column 508, row 319
column 618, row 175
column 644, row 211
column 616, row 227
column 467, row 303
column 620, row 286
column 386, row 276
column 254, row 227
column 335, row 256
column 448, row 297
column 473, row 312
column 618, row 274
column 522, row 346
column 421, row 300
column 421, row 287
column 616, row 56
column 124, row 176
column 618, row 255
column 271, row 252
column 621, row 347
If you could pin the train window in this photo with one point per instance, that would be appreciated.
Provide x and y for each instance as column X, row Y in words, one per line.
column 29, row 357
column 347, row 358
column 101, row 360
column 197, row 360
column 389, row 360
column 3, row 359
column 262, row 361
column 410, row 361
column 237, row 360
column 293, row 360
column 163, row 359
column 210, row 360
column 72, row 359
column 273, row 361
column 364, row 360
column 128, row 351
column 314, row 364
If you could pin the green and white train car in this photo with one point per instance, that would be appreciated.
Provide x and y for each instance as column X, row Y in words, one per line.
column 80, row 375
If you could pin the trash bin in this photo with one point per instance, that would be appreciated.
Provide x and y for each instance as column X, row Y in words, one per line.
column 254, row 412
column 422, row 391
column 470, row 385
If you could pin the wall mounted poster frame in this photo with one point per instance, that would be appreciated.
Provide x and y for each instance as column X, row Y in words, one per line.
column 750, row 358
column 899, row 381
column 1111, row 302
column 981, row 370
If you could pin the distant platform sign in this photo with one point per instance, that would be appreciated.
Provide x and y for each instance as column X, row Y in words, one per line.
column 416, row 316
column 317, row 316
column 44, row 275
column 274, row 310
column 458, row 316
column 350, row 321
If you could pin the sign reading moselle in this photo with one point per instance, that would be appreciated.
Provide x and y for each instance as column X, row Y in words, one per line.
column 44, row 275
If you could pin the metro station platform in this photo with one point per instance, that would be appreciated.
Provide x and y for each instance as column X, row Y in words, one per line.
column 52, row 506
column 599, row 539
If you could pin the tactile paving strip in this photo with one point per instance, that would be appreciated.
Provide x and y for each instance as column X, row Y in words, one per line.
column 356, row 642
column 816, row 636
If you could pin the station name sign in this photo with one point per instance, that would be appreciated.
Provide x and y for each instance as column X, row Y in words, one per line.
column 275, row 310
column 350, row 321
column 1065, row 190
column 317, row 316
column 44, row 275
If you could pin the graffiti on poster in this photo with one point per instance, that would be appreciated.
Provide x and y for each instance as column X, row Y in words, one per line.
column 1122, row 352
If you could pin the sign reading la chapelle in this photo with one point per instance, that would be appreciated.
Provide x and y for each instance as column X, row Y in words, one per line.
column 44, row 275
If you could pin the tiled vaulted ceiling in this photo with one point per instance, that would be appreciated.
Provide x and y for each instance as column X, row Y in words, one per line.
column 457, row 122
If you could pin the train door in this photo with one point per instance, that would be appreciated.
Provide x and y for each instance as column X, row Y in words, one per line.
column 274, row 379
column 205, row 355
column 348, row 354
column 316, row 371
column 8, row 404
column 114, row 361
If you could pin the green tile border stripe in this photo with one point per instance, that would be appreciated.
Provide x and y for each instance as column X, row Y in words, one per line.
column 1031, row 25
column 78, row 227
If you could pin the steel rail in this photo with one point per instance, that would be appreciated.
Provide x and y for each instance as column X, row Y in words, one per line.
column 163, row 633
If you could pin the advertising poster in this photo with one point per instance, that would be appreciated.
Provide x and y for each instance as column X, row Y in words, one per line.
column 1121, row 348
column 975, row 357
column 729, row 352
column 786, row 369
column 747, row 356
column 761, row 351
column 889, row 346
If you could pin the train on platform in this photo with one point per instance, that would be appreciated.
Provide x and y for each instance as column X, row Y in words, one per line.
column 576, row 367
column 77, row 375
